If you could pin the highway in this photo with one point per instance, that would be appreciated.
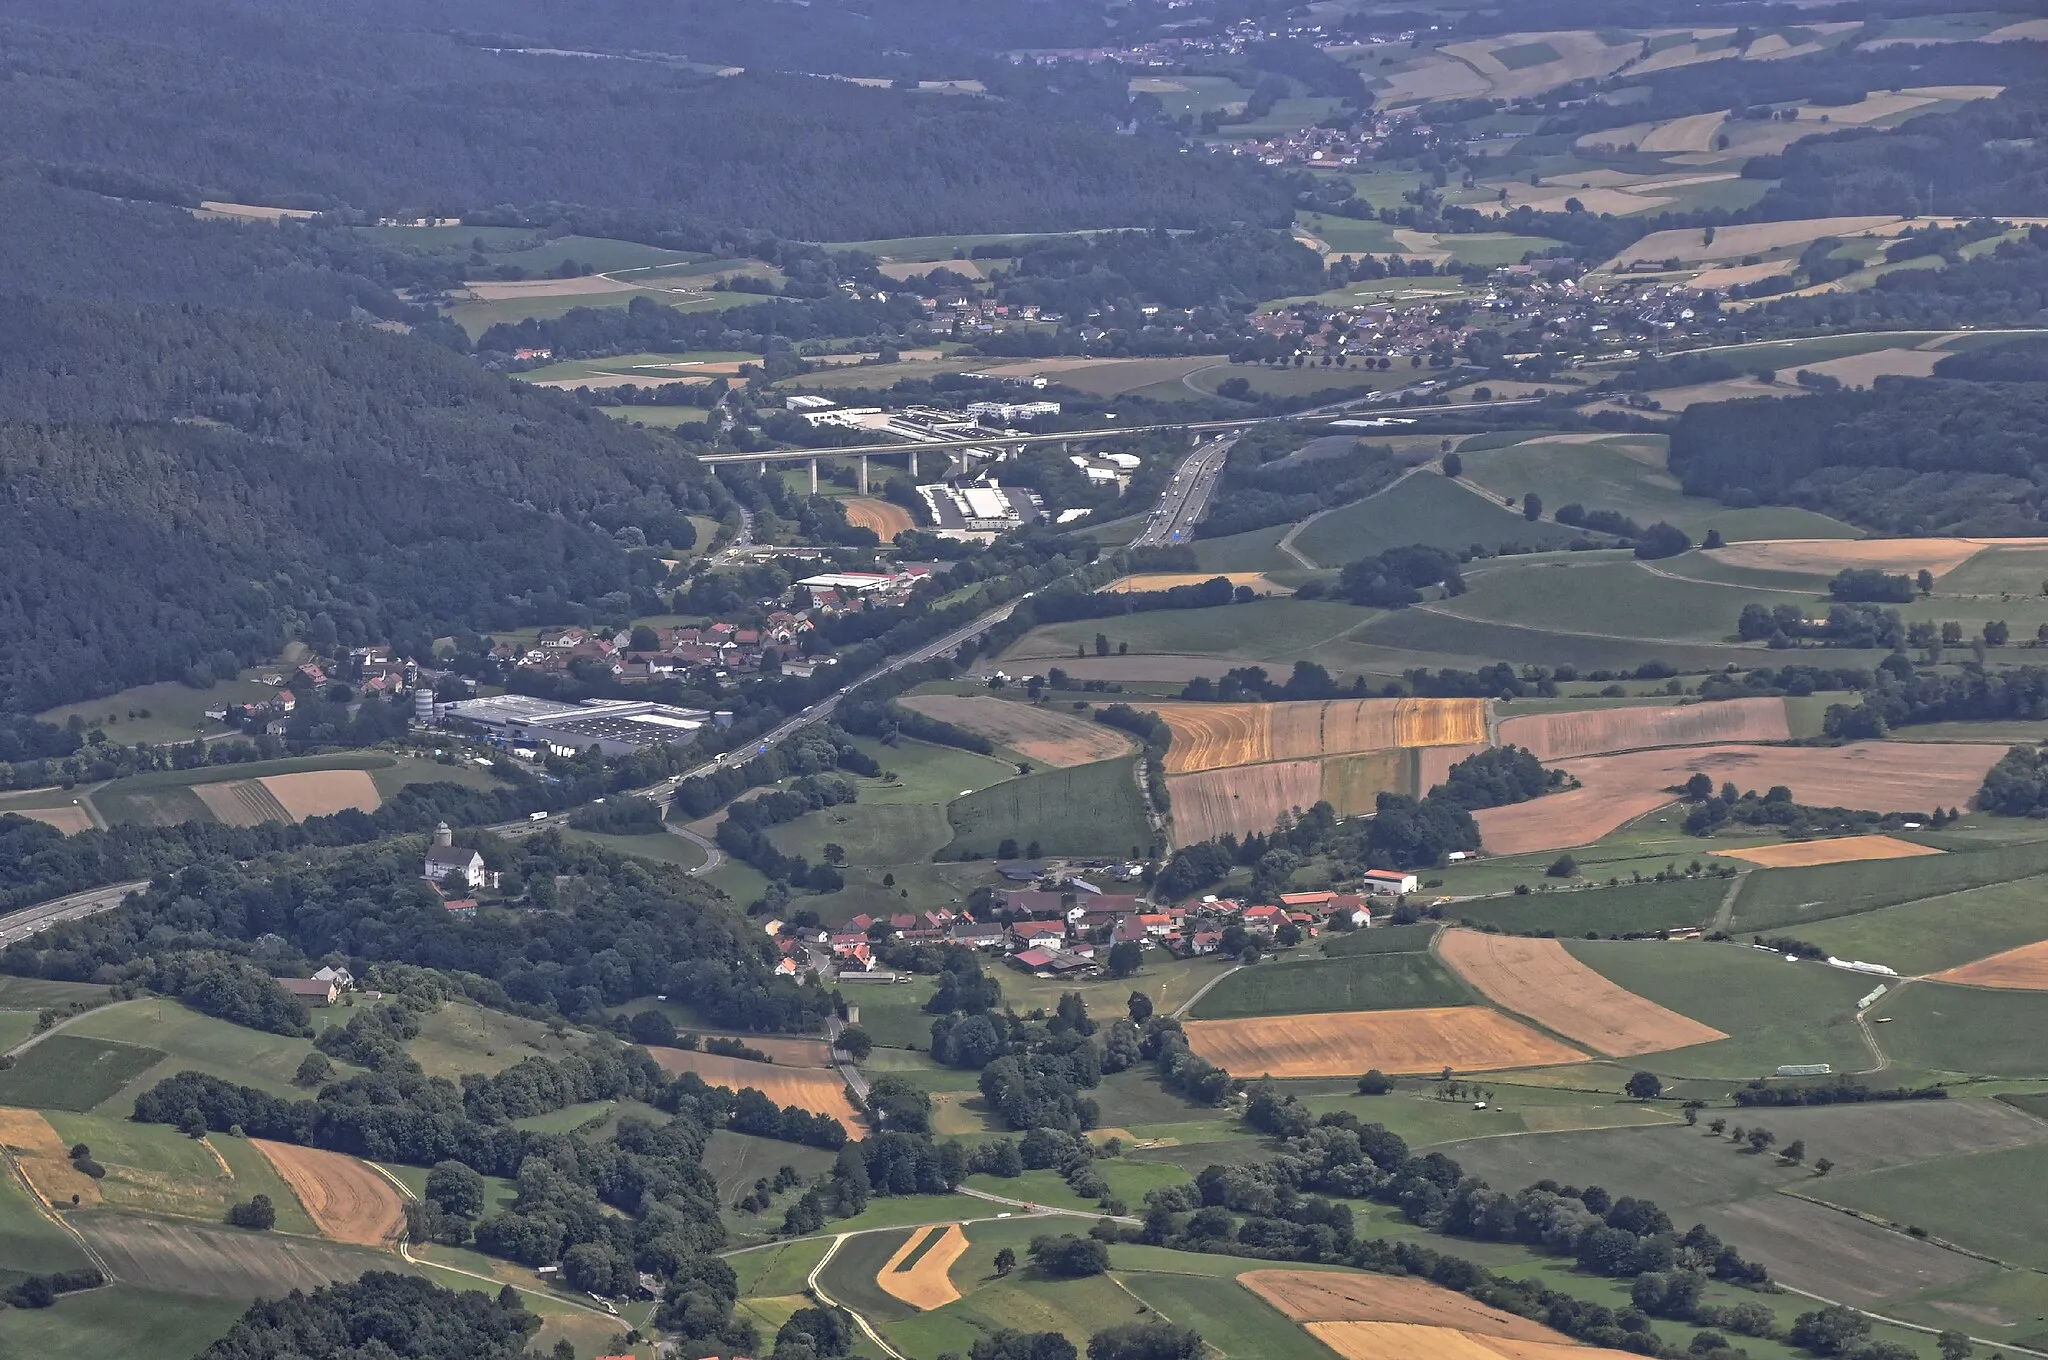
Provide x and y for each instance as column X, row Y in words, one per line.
column 19, row 925
column 1186, row 498
column 1011, row 439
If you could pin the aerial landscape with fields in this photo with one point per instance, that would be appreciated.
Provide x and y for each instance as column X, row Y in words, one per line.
column 1303, row 680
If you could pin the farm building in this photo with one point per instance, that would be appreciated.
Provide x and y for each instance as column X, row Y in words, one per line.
column 310, row 991
column 1389, row 882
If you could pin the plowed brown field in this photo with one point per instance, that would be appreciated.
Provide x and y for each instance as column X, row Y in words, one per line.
column 1537, row 978
column 1217, row 736
column 926, row 1285
column 1250, row 798
column 1326, row 1296
column 44, row 1158
column 1875, row 776
column 1048, row 737
column 1840, row 850
column 886, row 518
column 241, row 802
column 1344, row 1043
column 1597, row 731
column 2021, row 970
column 349, row 1201
column 819, row 1091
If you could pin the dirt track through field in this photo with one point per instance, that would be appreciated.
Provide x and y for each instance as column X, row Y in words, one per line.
column 1598, row 731
column 1219, row 736
column 1872, row 776
column 886, row 518
column 45, row 1158
column 1538, row 979
column 348, row 1200
column 1346, row 1043
column 1041, row 734
column 1840, row 850
column 820, row 1092
column 2020, row 970
column 926, row 1284
column 319, row 793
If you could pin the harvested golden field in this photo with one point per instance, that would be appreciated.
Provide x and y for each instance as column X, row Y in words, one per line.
column 1352, row 784
column 1840, row 850
column 1690, row 246
column 1041, row 734
column 1537, row 978
column 791, row 1052
column 44, row 1158
column 1861, row 370
column 69, row 820
column 1167, row 580
column 1597, row 731
column 817, row 1090
column 886, row 518
column 925, row 1284
column 2021, row 970
column 1345, row 1043
column 1241, row 800
column 1826, row 556
column 1693, row 133
column 317, row 793
column 351, row 1202
column 1407, row 1341
column 1873, row 776
column 1218, row 736
column 2026, row 30
column 241, row 802
column 1326, row 1296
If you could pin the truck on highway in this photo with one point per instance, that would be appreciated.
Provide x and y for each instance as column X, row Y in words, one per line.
column 536, row 816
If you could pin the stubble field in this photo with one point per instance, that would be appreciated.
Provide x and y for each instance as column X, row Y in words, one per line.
column 2024, row 970
column 1840, row 850
column 348, row 1201
column 1538, row 979
column 1217, row 736
column 1872, row 776
column 818, row 1091
column 1557, row 736
column 1346, row 1043
column 1245, row 799
column 1041, row 734
column 918, row 1272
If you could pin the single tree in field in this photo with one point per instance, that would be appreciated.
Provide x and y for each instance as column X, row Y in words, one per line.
column 1140, row 1008
column 1822, row 1167
column 855, row 1043
column 1794, row 1151
column 1645, row 1086
column 1715, row 1126
column 1532, row 507
column 1955, row 1346
column 1692, row 1116
column 1454, row 466
column 1006, row 1261
column 1125, row 958
column 1759, row 1139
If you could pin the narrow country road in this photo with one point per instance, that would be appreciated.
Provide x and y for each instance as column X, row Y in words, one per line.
column 713, row 856
column 817, row 1291
column 1184, row 1007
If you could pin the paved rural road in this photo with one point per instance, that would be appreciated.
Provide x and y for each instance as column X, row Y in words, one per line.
column 1184, row 1007
column 19, row 925
column 817, row 1291
column 841, row 1063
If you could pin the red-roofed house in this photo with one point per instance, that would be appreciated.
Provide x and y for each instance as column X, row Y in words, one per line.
column 1263, row 917
column 1033, row 932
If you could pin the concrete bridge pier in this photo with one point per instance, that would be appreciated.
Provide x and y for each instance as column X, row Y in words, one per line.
column 814, row 476
column 863, row 474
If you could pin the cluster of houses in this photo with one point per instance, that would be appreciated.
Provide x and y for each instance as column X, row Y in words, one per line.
column 1067, row 929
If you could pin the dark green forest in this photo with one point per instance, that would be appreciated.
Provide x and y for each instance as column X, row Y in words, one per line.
column 1911, row 456
column 317, row 108
column 184, row 488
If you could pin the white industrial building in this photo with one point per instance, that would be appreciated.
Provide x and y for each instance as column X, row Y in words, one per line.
column 614, row 726
column 993, row 508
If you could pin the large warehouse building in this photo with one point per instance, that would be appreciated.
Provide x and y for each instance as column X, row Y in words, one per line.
column 614, row 726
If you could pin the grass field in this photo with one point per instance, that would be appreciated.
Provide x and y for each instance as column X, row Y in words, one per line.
column 154, row 1169
column 1940, row 932
column 1627, row 473
column 1786, row 897
column 30, row 1243
column 183, row 1039
column 1941, row 1028
column 1255, row 550
column 68, row 1072
column 1357, row 983
column 140, row 1324
column 1613, row 598
column 1264, row 630
column 1773, row 1012
column 461, row 1038
column 166, row 712
column 1087, row 810
column 1627, row 909
column 1378, row 940
column 1433, row 636
column 1425, row 508
column 660, row 847
column 1966, row 1199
